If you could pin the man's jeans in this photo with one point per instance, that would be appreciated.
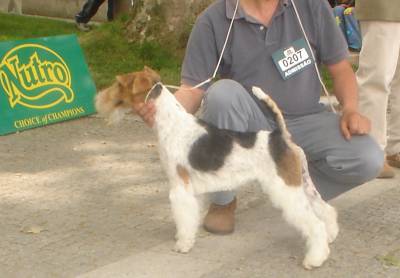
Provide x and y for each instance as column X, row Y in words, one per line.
column 335, row 164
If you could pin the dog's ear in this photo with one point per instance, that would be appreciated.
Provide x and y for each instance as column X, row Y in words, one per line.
column 126, row 80
column 154, row 75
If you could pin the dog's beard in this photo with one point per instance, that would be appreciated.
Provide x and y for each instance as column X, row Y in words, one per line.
column 117, row 115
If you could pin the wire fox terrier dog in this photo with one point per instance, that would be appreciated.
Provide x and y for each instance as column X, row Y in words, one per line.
column 199, row 158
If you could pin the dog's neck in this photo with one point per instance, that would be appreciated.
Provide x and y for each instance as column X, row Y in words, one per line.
column 169, row 110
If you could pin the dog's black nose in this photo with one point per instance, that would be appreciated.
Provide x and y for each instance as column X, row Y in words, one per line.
column 155, row 91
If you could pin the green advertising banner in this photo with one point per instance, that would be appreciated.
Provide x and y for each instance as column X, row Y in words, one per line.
column 43, row 81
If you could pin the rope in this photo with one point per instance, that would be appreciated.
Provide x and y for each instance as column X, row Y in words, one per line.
column 220, row 58
column 313, row 56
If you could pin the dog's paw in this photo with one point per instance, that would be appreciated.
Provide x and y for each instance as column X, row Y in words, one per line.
column 316, row 257
column 183, row 246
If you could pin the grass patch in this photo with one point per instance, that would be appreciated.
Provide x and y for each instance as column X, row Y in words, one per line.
column 15, row 27
column 109, row 53
column 391, row 259
column 106, row 49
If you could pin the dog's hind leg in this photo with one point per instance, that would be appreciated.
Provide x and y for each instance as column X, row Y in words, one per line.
column 298, row 212
column 322, row 209
column 186, row 213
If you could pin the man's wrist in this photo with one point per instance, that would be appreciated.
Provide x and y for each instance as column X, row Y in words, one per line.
column 349, row 108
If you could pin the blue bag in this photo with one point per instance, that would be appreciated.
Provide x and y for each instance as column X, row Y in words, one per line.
column 348, row 23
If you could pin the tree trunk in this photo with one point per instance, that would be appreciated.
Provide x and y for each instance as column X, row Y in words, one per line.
column 165, row 21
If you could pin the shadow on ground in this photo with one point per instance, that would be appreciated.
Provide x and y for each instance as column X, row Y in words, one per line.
column 83, row 198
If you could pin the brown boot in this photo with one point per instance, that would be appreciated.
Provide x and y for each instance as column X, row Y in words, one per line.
column 386, row 172
column 220, row 219
column 393, row 160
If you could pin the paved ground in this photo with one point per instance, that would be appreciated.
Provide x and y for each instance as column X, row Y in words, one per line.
column 80, row 199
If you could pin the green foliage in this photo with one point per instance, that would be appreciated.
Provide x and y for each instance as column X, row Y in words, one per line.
column 184, row 33
column 328, row 80
column 107, row 51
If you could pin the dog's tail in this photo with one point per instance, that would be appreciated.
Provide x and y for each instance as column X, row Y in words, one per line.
column 271, row 104
column 283, row 150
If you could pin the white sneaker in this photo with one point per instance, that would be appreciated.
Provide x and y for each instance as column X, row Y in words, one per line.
column 83, row 26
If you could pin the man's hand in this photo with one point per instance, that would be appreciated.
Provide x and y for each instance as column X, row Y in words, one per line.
column 353, row 123
column 190, row 100
column 345, row 90
column 147, row 112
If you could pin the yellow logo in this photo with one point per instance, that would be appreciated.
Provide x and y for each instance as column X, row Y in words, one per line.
column 36, row 77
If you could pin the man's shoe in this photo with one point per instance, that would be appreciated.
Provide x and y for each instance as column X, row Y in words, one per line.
column 83, row 26
column 387, row 172
column 394, row 160
column 220, row 219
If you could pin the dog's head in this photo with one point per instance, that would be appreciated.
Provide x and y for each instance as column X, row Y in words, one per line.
column 127, row 93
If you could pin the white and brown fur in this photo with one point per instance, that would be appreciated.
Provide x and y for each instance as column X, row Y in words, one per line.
column 126, row 93
column 199, row 158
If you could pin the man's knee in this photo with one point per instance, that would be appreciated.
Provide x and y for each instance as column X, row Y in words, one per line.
column 366, row 162
column 371, row 163
column 224, row 95
column 355, row 165
column 227, row 105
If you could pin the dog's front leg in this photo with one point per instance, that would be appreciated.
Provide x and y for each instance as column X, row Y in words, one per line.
column 186, row 213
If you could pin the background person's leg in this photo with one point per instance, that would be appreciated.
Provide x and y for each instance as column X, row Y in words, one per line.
column 336, row 165
column 88, row 11
column 110, row 10
column 376, row 81
column 393, row 143
column 377, row 66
